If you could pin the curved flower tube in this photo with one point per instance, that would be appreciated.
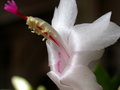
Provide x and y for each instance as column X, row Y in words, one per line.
column 85, row 44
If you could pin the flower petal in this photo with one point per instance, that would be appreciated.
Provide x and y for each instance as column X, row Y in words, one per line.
column 52, row 55
column 98, row 35
column 54, row 58
column 80, row 78
column 64, row 18
column 56, row 79
column 85, row 57
column 65, row 14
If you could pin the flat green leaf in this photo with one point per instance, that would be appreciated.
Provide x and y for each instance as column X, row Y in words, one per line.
column 103, row 77
column 115, row 82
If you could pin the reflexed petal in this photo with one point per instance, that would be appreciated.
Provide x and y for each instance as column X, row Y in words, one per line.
column 56, row 79
column 64, row 18
column 98, row 35
column 80, row 78
column 85, row 57
column 105, row 18
column 65, row 14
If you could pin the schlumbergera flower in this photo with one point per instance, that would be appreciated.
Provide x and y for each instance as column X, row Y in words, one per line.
column 73, row 48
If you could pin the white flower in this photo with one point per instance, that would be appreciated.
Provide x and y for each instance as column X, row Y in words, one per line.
column 83, row 43
column 72, row 48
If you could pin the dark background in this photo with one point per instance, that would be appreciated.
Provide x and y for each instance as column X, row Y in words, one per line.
column 24, row 54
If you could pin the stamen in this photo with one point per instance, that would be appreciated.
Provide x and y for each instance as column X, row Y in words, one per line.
column 59, row 45
column 40, row 27
column 21, row 15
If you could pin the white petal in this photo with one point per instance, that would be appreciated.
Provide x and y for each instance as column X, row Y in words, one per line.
column 105, row 18
column 98, row 35
column 85, row 57
column 56, row 79
column 65, row 14
column 53, row 55
column 80, row 78
column 52, row 52
column 64, row 18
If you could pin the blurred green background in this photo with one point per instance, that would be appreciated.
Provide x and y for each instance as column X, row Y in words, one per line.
column 24, row 54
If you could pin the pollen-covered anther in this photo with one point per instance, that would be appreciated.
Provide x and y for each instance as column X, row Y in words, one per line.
column 32, row 31
column 39, row 27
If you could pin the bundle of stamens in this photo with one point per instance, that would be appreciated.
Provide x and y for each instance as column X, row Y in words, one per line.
column 36, row 25
column 39, row 27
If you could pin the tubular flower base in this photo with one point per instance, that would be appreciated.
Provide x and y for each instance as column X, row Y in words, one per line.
column 85, row 43
column 72, row 48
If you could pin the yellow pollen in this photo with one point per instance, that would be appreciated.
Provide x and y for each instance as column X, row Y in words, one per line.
column 39, row 27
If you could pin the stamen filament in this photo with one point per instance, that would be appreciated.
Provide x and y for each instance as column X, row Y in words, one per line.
column 21, row 15
column 59, row 45
column 56, row 42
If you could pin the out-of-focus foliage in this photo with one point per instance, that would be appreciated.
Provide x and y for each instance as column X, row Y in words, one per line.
column 103, row 78
column 41, row 88
column 115, row 82
column 20, row 83
column 119, row 88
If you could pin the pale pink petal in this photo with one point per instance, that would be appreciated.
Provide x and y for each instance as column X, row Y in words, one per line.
column 53, row 55
column 56, row 79
column 59, row 66
column 96, row 36
column 64, row 18
column 85, row 57
column 80, row 78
